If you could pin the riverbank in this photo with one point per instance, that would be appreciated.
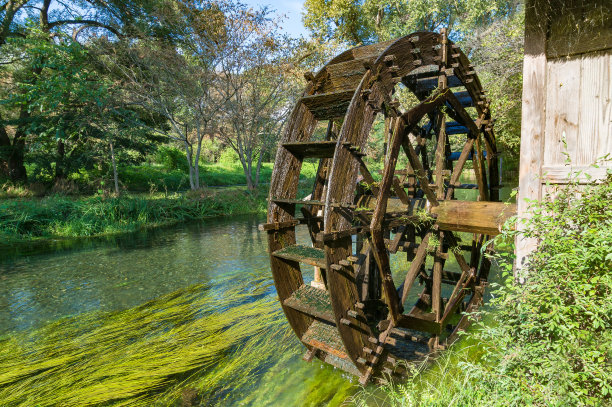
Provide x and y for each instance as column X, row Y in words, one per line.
column 27, row 220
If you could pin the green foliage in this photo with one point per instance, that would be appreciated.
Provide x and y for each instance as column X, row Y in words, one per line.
column 555, row 328
column 497, row 53
column 73, row 112
column 211, row 149
column 171, row 158
column 228, row 157
column 359, row 22
column 489, row 32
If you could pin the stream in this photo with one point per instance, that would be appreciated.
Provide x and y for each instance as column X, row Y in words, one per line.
column 175, row 316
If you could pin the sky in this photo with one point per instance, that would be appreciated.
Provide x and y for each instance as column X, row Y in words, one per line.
column 292, row 9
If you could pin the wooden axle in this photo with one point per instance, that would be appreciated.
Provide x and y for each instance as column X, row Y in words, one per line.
column 460, row 216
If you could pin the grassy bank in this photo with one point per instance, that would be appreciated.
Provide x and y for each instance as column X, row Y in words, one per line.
column 57, row 216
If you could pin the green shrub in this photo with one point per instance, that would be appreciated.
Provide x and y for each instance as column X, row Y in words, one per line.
column 554, row 330
column 211, row 149
column 228, row 157
column 171, row 158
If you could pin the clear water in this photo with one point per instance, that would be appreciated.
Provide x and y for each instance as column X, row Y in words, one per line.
column 106, row 276
column 122, row 273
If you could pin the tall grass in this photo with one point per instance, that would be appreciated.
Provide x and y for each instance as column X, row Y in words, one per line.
column 60, row 216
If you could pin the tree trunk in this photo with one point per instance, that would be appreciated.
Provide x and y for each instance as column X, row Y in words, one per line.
column 245, row 169
column 197, row 158
column 115, row 175
column 258, row 168
column 189, row 165
column 60, row 172
column 16, row 166
column 5, row 147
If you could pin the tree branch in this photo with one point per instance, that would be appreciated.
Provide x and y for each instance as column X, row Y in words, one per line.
column 90, row 23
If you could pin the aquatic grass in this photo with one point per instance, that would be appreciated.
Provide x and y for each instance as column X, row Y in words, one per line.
column 133, row 356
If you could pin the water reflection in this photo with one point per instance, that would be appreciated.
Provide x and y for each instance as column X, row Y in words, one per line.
column 120, row 273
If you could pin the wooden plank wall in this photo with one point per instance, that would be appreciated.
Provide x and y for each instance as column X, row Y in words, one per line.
column 567, row 108
column 579, row 111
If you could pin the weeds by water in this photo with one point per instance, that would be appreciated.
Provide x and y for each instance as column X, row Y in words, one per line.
column 61, row 216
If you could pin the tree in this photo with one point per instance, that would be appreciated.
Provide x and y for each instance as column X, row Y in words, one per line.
column 27, row 24
column 489, row 31
column 261, row 92
column 360, row 22
column 221, row 55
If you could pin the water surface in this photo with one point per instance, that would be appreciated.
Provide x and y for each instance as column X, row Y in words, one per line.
column 200, row 293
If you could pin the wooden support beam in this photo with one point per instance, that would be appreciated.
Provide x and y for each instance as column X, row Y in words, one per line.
column 376, row 229
column 415, row 266
column 473, row 217
column 465, row 153
column 436, row 285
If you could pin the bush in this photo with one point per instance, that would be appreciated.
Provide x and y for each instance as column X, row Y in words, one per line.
column 546, row 342
column 171, row 158
column 554, row 330
column 228, row 157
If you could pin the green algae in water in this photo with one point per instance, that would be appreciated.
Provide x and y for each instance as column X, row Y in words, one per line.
column 240, row 353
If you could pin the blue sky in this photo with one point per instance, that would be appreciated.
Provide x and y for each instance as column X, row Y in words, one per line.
column 292, row 9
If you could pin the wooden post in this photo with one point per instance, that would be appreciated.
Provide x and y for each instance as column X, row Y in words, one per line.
column 533, row 119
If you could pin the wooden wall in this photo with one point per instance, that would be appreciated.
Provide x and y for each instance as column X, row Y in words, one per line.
column 567, row 97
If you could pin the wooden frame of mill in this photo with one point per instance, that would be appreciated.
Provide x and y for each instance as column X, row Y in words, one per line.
column 355, row 315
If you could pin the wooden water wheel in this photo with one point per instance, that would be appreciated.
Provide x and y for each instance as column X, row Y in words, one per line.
column 357, row 316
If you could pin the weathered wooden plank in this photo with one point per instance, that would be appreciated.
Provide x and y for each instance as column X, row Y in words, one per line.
column 312, row 149
column 479, row 171
column 595, row 108
column 378, row 243
column 398, row 189
column 422, row 322
column 367, row 176
column 473, row 216
column 312, row 301
column 436, row 286
column 562, row 110
column 302, row 254
column 415, row 266
column 289, row 201
column 344, row 75
column 560, row 174
column 579, row 27
column 327, row 106
column 264, row 227
column 325, row 337
column 421, row 174
column 533, row 122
